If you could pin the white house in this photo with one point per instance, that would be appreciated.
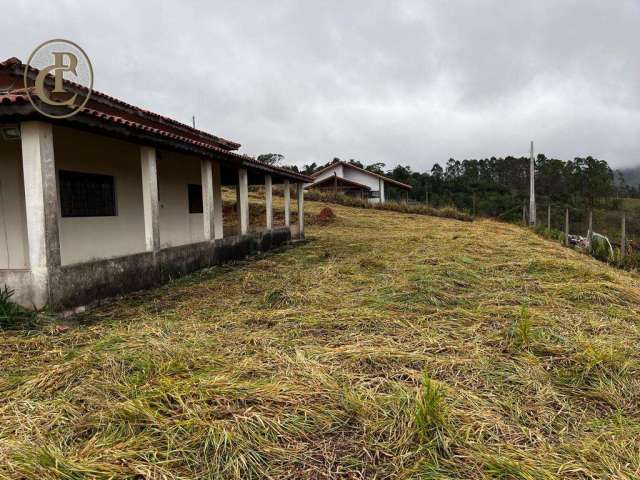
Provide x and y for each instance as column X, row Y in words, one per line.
column 117, row 198
column 352, row 180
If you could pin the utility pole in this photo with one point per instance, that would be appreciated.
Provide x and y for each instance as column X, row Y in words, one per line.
column 549, row 216
column 532, row 190
column 193, row 120
column 623, row 238
column 566, row 227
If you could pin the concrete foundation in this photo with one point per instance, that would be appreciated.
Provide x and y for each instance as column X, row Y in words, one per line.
column 83, row 283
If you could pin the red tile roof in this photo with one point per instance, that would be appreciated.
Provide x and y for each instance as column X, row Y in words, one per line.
column 203, row 142
column 16, row 66
column 340, row 179
column 350, row 165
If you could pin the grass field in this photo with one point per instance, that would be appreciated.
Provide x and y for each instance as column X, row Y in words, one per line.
column 387, row 346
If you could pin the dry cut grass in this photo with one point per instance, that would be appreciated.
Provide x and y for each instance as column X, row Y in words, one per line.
column 387, row 346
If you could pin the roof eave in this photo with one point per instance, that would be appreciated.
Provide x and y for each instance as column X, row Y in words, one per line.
column 21, row 110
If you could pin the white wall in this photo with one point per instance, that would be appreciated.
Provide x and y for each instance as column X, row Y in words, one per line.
column 177, row 225
column 371, row 181
column 90, row 238
column 13, row 231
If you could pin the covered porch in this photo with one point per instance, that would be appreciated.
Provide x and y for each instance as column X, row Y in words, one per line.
column 87, row 214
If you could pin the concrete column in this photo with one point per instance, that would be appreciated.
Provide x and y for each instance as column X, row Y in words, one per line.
column 150, row 198
column 218, row 219
column 301, row 209
column 381, row 190
column 287, row 203
column 42, row 206
column 206, row 172
column 243, row 197
column 268, row 184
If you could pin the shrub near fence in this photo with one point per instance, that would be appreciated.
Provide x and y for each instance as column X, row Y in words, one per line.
column 607, row 223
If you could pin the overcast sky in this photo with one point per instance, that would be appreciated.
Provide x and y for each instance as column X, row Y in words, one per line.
column 410, row 82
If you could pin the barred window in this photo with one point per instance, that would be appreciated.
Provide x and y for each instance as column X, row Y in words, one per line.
column 87, row 195
column 195, row 198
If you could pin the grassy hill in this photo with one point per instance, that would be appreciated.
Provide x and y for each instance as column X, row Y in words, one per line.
column 387, row 346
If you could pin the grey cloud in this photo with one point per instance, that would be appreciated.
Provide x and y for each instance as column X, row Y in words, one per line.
column 406, row 82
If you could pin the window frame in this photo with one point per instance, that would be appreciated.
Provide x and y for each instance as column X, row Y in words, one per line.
column 114, row 194
column 201, row 203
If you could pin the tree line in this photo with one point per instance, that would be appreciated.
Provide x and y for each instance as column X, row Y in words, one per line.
column 492, row 186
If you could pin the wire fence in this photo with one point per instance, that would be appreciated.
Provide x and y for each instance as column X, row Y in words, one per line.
column 604, row 219
column 584, row 222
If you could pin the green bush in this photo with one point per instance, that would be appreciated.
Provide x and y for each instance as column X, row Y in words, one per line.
column 631, row 261
column 600, row 250
column 12, row 314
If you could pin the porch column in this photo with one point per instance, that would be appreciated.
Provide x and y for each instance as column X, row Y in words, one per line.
column 206, row 172
column 287, row 203
column 243, row 199
column 218, row 219
column 301, row 209
column 268, row 200
column 41, row 202
column 150, row 198
column 381, row 190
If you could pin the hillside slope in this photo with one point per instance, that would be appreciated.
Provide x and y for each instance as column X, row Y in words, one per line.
column 387, row 346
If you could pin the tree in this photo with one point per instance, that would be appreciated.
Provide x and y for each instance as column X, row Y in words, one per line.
column 309, row 169
column 376, row 168
column 271, row 158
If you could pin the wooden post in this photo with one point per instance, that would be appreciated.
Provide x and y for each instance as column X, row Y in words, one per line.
column 566, row 227
column 590, row 231
column 549, row 217
column 524, row 214
column 426, row 198
column 623, row 237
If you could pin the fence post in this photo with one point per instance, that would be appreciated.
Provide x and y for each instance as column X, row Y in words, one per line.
column 566, row 227
column 590, row 231
column 623, row 239
column 549, row 217
column 474, row 203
